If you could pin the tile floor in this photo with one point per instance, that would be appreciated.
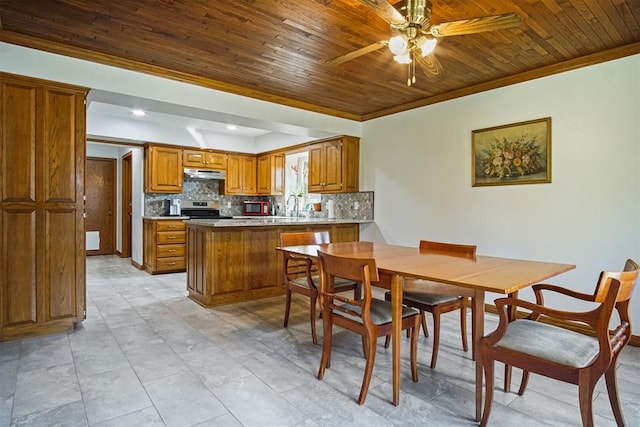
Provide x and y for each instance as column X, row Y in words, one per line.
column 149, row 356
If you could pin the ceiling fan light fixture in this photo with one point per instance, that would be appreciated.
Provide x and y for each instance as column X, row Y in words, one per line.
column 398, row 45
column 403, row 58
column 426, row 45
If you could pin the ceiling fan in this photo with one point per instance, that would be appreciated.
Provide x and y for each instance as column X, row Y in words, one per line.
column 414, row 37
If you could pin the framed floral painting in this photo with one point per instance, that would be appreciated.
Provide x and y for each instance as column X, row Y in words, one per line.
column 518, row 153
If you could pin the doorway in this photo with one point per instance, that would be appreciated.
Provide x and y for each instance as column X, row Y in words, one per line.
column 127, row 171
column 100, row 206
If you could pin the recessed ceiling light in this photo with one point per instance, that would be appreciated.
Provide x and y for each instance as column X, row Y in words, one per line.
column 138, row 113
column 232, row 127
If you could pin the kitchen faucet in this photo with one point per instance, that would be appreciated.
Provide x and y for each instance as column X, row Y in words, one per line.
column 296, row 204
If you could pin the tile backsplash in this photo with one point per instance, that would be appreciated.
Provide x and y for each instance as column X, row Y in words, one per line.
column 195, row 189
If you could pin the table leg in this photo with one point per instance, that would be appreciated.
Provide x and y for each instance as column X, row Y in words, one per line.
column 507, row 368
column 396, row 333
column 477, row 333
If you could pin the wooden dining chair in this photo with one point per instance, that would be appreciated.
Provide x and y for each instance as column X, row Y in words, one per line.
column 369, row 317
column 301, row 274
column 560, row 353
column 438, row 298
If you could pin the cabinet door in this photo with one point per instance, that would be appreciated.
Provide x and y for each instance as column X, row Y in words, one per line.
column 332, row 167
column 164, row 170
column 193, row 159
column 249, row 171
column 277, row 174
column 316, row 168
column 264, row 175
column 216, row 161
column 18, row 259
column 234, row 180
column 241, row 175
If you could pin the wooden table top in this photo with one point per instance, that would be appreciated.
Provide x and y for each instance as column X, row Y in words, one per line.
column 492, row 274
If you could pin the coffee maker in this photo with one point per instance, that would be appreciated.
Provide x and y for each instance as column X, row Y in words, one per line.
column 171, row 207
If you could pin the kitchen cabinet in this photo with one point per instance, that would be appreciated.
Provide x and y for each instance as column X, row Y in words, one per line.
column 271, row 174
column 230, row 264
column 334, row 166
column 201, row 159
column 165, row 247
column 163, row 169
column 42, row 235
column 241, row 175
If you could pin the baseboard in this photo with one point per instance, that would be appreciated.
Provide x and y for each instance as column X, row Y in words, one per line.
column 490, row 308
column 136, row 265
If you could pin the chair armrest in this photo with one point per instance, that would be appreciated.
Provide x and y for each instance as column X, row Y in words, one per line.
column 307, row 268
column 590, row 317
column 537, row 289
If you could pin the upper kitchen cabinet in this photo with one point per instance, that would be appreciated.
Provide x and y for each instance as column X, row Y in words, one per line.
column 201, row 159
column 334, row 165
column 42, row 164
column 163, row 169
column 241, row 175
column 271, row 174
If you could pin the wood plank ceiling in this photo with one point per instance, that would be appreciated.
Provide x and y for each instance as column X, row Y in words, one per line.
column 276, row 50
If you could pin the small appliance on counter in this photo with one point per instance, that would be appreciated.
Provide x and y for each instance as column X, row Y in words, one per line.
column 255, row 208
column 331, row 209
column 202, row 209
column 171, row 207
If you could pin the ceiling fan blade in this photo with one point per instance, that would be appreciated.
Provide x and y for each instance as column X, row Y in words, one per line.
column 385, row 10
column 475, row 25
column 429, row 64
column 356, row 53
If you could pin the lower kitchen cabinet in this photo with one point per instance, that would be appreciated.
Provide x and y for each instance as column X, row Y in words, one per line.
column 165, row 249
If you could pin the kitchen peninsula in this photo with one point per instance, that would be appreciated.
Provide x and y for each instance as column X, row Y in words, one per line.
column 230, row 261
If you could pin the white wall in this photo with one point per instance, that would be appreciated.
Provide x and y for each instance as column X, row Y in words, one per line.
column 419, row 165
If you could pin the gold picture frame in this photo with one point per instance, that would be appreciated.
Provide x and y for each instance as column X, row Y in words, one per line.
column 517, row 153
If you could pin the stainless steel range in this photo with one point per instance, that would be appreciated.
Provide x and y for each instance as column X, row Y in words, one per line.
column 202, row 209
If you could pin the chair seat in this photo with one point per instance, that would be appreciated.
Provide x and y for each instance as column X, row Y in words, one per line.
column 339, row 283
column 550, row 343
column 429, row 299
column 380, row 312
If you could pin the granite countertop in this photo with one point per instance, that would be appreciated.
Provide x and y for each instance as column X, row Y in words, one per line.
column 165, row 217
column 271, row 221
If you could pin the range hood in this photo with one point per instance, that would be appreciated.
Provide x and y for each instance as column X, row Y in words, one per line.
column 203, row 174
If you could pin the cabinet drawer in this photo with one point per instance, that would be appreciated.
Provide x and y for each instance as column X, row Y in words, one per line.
column 170, row 226
column 163, row 251
column 171, row 237
column 173, row 263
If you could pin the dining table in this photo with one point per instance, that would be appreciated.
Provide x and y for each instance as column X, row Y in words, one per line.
column 480, row 274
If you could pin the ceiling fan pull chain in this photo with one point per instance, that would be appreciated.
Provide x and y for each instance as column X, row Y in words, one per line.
column 413, row 70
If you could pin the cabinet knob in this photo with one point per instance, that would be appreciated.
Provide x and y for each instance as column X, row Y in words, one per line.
column 172, row 250
column 171, row 237
column 171, row 263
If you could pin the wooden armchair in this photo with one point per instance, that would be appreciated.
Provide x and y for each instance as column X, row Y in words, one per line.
column 301, row 274
column 438, row 298
column 560, row 353
column 368, row 317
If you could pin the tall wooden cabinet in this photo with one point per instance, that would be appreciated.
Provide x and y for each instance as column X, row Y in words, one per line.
column 334, row 166
column 42, row 164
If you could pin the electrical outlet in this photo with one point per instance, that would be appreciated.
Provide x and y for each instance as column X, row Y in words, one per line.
column 356, row 205
column 228, row 204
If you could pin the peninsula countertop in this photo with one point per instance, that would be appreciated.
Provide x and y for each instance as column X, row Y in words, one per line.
column 272, row 221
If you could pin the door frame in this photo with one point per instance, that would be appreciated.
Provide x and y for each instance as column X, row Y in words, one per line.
column 126, row 200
